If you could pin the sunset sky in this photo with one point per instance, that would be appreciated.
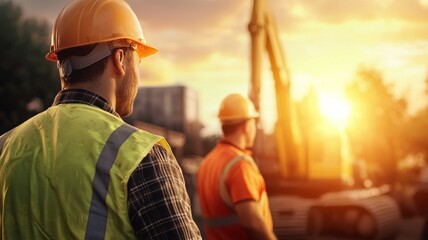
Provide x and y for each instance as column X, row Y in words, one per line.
column 204, row 44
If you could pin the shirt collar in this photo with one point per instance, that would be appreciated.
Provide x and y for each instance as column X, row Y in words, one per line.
column 84, row 97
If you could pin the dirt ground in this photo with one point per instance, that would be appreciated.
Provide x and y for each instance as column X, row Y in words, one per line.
column 411, row 229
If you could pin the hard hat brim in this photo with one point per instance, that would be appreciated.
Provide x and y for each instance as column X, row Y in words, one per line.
column 143, row 50
column 238, row 118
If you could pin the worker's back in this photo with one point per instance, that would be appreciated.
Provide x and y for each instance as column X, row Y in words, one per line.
column 49, row 166
column 240, row 176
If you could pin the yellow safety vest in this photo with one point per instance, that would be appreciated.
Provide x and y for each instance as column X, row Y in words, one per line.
column 64, row 175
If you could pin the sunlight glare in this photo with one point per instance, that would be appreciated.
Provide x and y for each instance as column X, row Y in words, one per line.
column 424, row 3
column 334, row 107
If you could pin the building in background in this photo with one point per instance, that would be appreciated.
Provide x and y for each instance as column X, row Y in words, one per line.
column 172, row 112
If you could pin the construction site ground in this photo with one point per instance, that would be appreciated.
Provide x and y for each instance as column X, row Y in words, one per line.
column 410, row 229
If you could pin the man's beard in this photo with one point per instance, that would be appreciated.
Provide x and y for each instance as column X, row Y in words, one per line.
column 126, row 92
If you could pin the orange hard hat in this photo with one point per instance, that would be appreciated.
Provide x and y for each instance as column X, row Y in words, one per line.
column 85, row 22
column 236, row 107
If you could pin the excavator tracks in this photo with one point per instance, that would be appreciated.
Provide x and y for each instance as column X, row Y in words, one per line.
column 340, row 215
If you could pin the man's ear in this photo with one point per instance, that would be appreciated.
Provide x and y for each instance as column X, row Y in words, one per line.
column 118, row 58
column 245, row 126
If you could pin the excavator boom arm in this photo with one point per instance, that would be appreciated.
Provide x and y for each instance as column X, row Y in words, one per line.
column 264, row 37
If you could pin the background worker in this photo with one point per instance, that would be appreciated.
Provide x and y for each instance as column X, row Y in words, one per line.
column 77, row 170
column 231, row 190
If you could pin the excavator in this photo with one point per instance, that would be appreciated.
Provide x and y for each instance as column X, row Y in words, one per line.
column 311, row 176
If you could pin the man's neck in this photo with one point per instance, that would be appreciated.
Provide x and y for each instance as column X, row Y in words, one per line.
column 236, row 142
column 100, row 87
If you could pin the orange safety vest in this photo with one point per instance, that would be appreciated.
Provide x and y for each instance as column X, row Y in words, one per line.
column 226, row 176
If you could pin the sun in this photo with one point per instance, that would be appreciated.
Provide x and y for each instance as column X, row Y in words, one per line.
column 334, row 107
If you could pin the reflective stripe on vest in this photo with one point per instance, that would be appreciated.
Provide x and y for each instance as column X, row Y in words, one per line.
column 221, row 221
column 224, row 194
column 97, row 220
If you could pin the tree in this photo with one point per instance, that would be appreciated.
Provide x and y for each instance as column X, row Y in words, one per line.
column 417, row 131
column 416, row 134
column 28, row 83
column 376, row 124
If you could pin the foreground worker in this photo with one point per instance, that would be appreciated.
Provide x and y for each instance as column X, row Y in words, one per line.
column 77, row 170
column 231, row 190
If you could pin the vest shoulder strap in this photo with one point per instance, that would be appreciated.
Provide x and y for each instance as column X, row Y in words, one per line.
column 224, row 193
column 3, row 139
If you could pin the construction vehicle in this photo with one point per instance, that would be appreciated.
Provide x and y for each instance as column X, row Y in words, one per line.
column 311, row 176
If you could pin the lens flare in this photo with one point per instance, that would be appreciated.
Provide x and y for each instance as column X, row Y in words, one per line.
column 334, row 107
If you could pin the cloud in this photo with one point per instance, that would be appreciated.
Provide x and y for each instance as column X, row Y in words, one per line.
column 156, row 70
column 424, row 3
column 42, row 9
column 337, row 12
column 184, row 15
column 191, row 30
